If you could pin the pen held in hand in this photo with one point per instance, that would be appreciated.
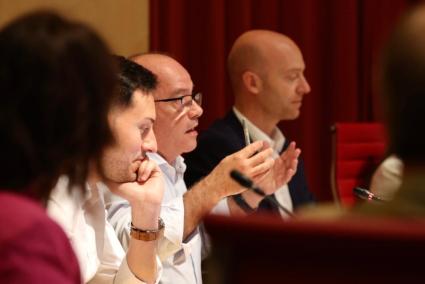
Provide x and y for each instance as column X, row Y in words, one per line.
column 245, row 133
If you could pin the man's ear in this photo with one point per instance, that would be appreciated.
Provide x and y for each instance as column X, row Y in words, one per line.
column 252, row 82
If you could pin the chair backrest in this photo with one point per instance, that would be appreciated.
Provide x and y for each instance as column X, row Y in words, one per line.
column 270, row 250
column 357, row 149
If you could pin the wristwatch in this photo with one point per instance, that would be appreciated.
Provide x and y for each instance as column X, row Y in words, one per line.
column 147, row 235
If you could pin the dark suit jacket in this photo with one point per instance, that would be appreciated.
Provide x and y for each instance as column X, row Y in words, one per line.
column 224, row 137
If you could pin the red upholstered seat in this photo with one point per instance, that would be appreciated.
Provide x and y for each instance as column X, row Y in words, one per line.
column 357, row 149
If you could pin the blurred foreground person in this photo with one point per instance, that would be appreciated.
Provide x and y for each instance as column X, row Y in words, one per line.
column 57, row 83
column 55, row 87
column 403, row 81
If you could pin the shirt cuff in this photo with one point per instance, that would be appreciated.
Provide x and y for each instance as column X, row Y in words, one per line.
column 172, row 213
column 125, row 275
column 222, row 208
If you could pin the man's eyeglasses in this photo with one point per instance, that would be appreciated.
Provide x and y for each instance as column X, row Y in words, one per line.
column 185, row 100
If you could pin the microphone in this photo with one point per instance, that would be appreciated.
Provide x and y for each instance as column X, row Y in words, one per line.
column 248, row 183
column 366, row 195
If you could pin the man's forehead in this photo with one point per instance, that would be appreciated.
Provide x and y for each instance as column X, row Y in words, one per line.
column 171, row 89
column 173, row 79
column 291, row 60
column 294, row 67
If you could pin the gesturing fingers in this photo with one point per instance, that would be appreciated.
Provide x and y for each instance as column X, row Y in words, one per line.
column 260, row 157
column 290, row 154
column 262, row 167
column 256, row 164
column 251, row 149
column 290, row 171
column 286, row 165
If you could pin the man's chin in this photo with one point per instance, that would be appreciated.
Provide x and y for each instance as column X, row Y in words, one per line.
column 124, row 178
column 191, row 147
column 291, row 116
column 296, row 115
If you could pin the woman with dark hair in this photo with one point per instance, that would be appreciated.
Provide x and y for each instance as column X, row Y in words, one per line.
column 57, row 86
column 56, row 82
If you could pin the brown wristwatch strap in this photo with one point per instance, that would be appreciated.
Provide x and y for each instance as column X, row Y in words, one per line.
column 147, row 235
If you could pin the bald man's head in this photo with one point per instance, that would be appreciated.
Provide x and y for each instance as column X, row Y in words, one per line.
column 167, row 69
column 251, row 51
column 176, row 113
column 266, row 70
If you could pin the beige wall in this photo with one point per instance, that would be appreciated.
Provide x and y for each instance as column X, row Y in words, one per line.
column 124, row 24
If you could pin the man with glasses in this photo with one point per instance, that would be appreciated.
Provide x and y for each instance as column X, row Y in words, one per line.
column 185, row 100
column 178, row 109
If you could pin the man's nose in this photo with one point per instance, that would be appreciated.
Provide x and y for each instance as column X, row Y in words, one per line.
column 304, row 86
column 149, row 143
column 195, row 110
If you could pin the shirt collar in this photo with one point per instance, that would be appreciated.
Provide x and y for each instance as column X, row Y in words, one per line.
column 172, row 171
column 277, row 139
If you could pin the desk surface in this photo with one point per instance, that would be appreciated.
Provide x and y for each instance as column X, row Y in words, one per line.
column 261, row 249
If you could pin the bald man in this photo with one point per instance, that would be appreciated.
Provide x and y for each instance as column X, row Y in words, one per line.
column 266, row 71
column 178, row 109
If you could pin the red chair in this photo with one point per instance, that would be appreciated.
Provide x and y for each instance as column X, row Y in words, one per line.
column 357, row 149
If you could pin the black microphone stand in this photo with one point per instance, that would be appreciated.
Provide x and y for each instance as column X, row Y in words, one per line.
column 248, row 183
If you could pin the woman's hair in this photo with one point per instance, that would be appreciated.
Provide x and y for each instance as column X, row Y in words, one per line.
column 403, row 81
column 57, row 80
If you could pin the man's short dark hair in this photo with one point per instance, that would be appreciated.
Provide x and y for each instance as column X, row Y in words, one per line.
column 132, row 77
column 56, row 84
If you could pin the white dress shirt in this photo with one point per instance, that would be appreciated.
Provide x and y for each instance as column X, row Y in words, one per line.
column 83, row 218
column 387, row 178
column 276, row 142
column 181, row 260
